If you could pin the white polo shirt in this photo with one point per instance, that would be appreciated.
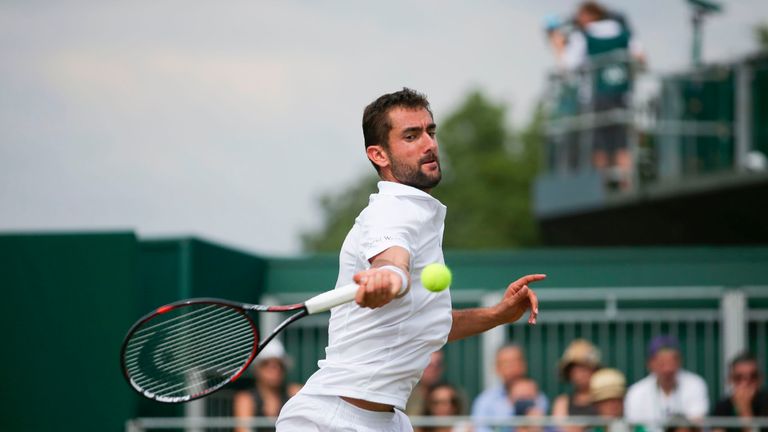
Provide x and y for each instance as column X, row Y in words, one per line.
column 647, row 403
column 379, row 354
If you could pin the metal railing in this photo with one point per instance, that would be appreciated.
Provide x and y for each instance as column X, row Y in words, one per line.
column 672, row 126
column 207, row 424
column 713, row 324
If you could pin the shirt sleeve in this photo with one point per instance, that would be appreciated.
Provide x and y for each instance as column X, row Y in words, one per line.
column 632, row 407
column 575, row 51
column 698, row 402
column 481, row 409
column 388, row 222
column 635, row 47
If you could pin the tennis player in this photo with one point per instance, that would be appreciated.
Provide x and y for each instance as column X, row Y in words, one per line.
column 378, row 348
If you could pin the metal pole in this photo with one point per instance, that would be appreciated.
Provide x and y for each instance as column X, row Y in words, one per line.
column 733, row 313
column 133, row 426
column 269, row 321
column 697, row 19
column 743, row 141
column 491, row 341
column 192, row 411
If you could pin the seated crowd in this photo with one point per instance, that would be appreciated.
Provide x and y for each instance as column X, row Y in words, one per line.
column 668, row 393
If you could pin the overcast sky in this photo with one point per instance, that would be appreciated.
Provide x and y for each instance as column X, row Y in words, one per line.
column 226, row 119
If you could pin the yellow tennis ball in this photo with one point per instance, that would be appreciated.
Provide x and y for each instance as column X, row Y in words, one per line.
column 436, row 277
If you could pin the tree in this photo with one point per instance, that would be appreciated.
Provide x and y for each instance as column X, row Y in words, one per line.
column 339, row 213
column 487, row 177
column 761, row 34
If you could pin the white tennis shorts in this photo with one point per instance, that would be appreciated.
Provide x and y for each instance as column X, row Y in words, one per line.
column 314, row 413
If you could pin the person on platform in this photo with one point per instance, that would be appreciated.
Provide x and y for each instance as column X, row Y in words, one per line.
column 602, row 46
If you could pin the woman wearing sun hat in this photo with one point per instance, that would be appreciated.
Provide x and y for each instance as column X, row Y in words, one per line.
column 580, row 360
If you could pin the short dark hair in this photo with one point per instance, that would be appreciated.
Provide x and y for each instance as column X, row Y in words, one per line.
column 744, row 357
column 376, row 125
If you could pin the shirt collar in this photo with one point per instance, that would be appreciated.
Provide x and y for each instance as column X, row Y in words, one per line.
column 399, row 189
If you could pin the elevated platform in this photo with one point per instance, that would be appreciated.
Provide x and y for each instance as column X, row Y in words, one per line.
column 729, row 208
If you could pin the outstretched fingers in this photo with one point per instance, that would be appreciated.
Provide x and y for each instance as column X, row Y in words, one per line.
column 534, row 306
column 527, row 279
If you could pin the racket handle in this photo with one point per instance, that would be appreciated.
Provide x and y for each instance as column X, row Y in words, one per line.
column 327, row 300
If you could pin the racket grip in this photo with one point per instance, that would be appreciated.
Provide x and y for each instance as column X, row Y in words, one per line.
column 327, row 300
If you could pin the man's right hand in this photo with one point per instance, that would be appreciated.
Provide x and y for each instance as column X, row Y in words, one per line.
column 742, row 399
column 378, row 286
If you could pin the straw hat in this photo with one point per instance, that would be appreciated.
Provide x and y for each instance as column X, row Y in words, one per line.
column 582, row 352
column 607, row 384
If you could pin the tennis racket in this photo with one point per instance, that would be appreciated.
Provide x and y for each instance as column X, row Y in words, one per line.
column 191, row 348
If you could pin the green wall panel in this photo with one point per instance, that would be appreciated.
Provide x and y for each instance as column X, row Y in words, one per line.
column 175, row 269
column 565, row 268
column 315, row 273
column 69, row 300
column 218, row 271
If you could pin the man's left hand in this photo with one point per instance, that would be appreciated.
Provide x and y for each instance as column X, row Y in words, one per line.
column 517, row 299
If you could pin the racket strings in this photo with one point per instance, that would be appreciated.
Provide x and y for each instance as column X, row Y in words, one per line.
column 179, row 340
column 219, row 366
column 200, row 363
column 188, row 355
column 189, row 350
column 177, row 323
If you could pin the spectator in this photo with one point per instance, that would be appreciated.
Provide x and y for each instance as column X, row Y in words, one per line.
column 270, row 391
column 746, row 399
column 523, row 394
column 668, row 390
column 606, row 390
column 603, row 43
column 433, row 373
column 443, row 399
column 494, row 402
column 580, row 360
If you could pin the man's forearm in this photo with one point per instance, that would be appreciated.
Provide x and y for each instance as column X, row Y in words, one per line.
column 469, row 322
column 516, row 300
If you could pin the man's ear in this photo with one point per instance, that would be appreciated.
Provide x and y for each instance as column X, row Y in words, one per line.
column 377, row 155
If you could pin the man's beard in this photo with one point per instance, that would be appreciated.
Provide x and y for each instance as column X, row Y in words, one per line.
column 413, row 176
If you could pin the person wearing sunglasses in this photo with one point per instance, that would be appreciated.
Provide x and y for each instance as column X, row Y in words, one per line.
column 746, row 399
